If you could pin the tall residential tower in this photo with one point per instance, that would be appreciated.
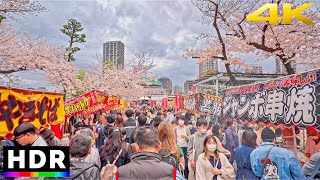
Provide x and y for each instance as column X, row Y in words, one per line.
column 113, row 51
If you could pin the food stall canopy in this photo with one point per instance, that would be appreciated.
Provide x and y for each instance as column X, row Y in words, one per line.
column 87, row 103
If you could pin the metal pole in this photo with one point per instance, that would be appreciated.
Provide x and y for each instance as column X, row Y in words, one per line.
column 217, row 87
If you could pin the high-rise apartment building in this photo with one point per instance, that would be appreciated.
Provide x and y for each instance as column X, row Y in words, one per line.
column 113, row 51
column 166, row 84
column 188, row 86
column 207, row 65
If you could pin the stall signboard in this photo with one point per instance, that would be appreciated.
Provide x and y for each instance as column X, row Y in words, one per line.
column 87, row 103
column 189, row 102
column 209, row 104
column 291, row 100
column 42, row 109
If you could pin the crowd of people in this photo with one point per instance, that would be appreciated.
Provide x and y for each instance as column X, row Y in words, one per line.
column 152, row 143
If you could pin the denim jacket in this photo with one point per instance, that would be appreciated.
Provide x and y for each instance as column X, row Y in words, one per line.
column 244, row 170
column 281, row 163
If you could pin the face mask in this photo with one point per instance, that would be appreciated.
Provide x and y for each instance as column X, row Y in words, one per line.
column 212, row 147
column 181, row 122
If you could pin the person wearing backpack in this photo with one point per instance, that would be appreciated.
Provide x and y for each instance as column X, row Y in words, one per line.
column 170, row 151
column 115, row 151
column 130, row 124
column 182, row 134
column 195, row 146
column 100, row 128
column 271, row 162
column 80, row 148
column 146, row 164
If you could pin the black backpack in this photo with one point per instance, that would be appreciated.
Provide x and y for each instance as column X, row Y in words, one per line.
column 169, row 158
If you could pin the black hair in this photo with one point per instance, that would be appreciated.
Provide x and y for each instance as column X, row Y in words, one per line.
column 129, row 113
column 112, row 111
column 142, row 119
column 113, row 145
column 111, row 118
column 181, row 117
column 229, row 123
column 158, row 113
column 143, row 132
column 201, row 121
column 80, row 146
column 157, row 120
column 215, row 130
column 137, row 113
column 249, row 138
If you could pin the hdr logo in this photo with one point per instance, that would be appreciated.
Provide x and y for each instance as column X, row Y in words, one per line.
column 36, row 162
column 288, row 13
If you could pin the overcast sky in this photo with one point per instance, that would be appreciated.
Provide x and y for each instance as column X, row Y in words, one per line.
column 164, row 27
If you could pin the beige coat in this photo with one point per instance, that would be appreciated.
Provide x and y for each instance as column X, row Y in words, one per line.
column 204, row 168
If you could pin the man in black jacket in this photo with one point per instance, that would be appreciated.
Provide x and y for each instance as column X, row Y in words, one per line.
column 146, row 163
column 80, row 148
column 130, row 124
column 142, row 121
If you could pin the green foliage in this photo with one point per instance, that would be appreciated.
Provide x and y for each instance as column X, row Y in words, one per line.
column 82, row 76
column 108, row 64
column 72, row 30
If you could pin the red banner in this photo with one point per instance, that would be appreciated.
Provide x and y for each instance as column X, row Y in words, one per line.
column 164, row 103
column 153, row 104
column 86, row 104
column 178, row 102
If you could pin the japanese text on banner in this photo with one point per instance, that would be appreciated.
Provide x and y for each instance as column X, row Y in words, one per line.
column 41, row 109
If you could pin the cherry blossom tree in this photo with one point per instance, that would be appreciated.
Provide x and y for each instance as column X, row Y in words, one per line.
column 19, row 7
column 141, row 62
column 125, row 83
column 22, row 53
column 293, row 44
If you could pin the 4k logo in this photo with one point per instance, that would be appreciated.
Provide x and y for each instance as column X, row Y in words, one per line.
column 288, row 12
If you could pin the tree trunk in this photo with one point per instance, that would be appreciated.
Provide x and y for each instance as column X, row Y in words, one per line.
column 1, row 18
column 230, row 74
column 288, row 67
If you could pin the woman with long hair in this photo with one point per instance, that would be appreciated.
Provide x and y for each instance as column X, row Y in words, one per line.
column 249, row 143
column 112, row 148
column 212, row 164
column 119, row 122
column 217, row 131
column 169, row 145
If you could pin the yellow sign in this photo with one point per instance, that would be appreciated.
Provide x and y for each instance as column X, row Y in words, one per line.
column 288, row 13
column 17, row 106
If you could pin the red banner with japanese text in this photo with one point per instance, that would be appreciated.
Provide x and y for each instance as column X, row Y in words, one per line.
column 42, row 109
column 153, row 104
column 178, row 102
column 86, row 104
column 164, row 103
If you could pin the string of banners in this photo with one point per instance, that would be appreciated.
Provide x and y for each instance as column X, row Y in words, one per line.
column 289, row 100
